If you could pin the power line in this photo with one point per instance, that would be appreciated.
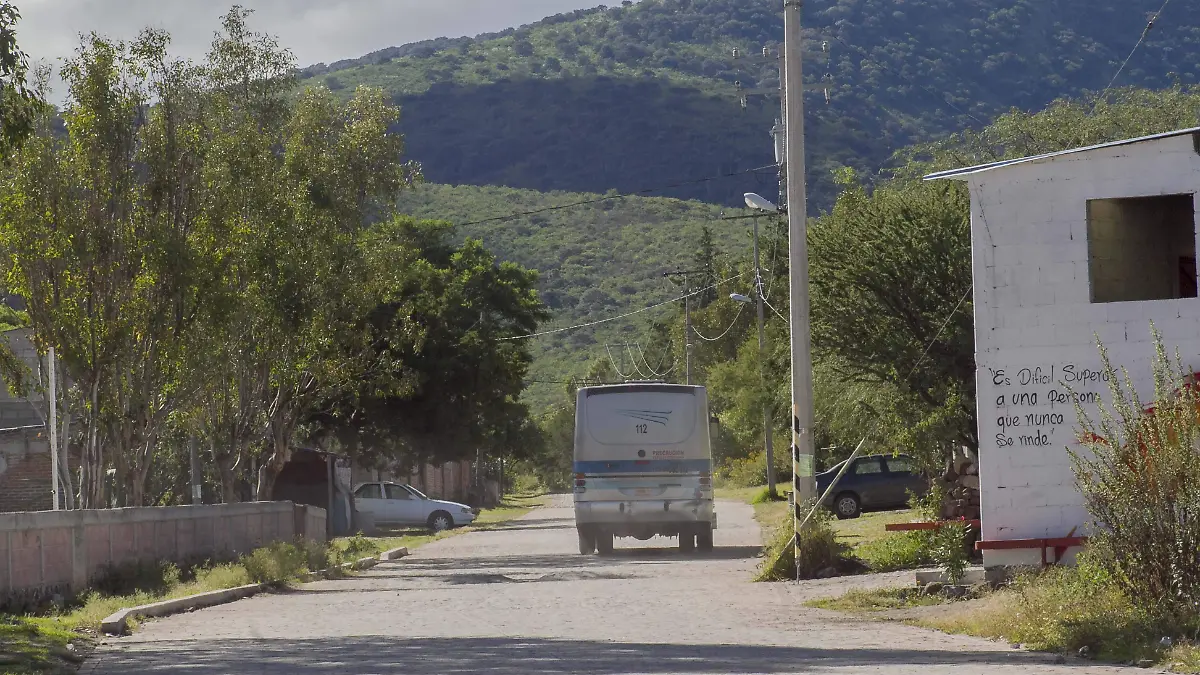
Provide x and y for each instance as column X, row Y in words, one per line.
column 661, row 361
column 1145, row 33
column 622, row 316
column 613, row 361
column 731, row 326
column 777, row 313
column 636, row 366
column 607, row 198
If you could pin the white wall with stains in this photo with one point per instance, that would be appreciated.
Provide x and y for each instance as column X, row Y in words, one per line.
column 1036, row 325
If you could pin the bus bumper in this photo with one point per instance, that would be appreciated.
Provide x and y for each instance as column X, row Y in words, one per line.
column 644, row 519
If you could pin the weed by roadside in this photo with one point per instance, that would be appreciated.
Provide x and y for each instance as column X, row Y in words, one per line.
column 820, row 552
column 1068, row 610
column 858, row 601
column 38, row 647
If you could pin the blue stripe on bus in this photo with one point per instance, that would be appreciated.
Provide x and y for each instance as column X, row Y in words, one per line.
column 645, row 466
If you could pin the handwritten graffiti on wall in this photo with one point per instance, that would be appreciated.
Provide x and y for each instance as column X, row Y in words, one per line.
column 1034, row 406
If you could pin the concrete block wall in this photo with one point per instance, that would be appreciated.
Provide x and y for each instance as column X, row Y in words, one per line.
column 63, row 551
column 1036, row 326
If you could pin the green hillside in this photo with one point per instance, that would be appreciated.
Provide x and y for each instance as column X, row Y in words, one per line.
column 637, row 96
column 596, row 261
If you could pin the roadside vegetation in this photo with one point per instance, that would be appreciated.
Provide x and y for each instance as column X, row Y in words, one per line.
column 52, row 641
column 1134, row 596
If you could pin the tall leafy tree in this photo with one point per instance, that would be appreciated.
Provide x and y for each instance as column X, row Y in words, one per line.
column 18, row 102
column 341, row 168
column 443, row 378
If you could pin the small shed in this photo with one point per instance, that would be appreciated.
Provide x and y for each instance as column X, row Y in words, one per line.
column 312, row 477
column 1096, row 242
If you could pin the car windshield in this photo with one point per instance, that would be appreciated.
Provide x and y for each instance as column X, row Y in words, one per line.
column 415, row 491
column 836, row 467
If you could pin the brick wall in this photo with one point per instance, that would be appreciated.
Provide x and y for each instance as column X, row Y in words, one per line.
column 25, row 485
column 1036, row 326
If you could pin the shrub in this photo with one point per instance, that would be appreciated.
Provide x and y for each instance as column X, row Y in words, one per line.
column 130, row 578
column 818, row 544
column 222, row 576
column 359, row 546
column 279, row 562
column 950, row 550
column 1064, row 609
column 1141, row 484
column 897, row 551
column 763, row 496
column 752, row 471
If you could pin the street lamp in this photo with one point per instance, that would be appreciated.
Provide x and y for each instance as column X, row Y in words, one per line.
column 760, row 203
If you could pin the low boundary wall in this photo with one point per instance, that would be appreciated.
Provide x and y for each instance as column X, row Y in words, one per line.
column 47, row 552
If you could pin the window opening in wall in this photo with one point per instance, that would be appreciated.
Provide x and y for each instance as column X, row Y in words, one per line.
column 1142, row 248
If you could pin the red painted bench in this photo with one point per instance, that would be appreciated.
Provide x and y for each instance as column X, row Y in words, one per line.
column 1059, row 544
column 934, row 525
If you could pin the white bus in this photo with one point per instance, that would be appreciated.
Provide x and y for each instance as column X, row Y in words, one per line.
column 643, row 465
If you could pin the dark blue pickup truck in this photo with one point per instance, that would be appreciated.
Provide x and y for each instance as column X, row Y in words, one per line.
column 875, row 482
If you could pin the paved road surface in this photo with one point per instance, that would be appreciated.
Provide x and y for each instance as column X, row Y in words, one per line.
column 522, row 601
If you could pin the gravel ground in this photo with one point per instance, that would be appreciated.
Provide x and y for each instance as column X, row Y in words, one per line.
column 521, row 600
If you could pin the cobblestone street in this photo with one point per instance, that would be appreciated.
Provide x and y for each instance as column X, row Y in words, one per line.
column 521, row 600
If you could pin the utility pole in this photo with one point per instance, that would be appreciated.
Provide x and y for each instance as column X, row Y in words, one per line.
column 54, row 482
column 687, row 319
column 802, row 403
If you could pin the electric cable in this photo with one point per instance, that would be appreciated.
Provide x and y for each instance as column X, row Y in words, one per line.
column 622, row 316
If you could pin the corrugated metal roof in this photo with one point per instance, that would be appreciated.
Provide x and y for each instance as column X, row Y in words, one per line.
column 959, row 173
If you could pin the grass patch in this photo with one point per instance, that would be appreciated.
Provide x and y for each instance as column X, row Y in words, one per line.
column 867, row 602
column 1061, row 610
column 38, row 646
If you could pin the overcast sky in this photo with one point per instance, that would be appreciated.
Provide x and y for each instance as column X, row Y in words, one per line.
column 318, row 31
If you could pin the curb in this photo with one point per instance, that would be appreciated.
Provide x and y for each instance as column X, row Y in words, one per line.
column 118, row 622
column 393, row 554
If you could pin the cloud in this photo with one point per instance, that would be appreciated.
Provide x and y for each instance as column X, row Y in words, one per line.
column 317, row 31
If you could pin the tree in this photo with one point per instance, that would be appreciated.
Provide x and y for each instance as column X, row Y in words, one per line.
column 341, row 168
column 251, row 82
column 444, row 376
column 18, row 103
column 890, row 274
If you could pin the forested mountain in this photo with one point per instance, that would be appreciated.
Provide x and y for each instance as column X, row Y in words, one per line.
column 640, row 96
column 595, row 261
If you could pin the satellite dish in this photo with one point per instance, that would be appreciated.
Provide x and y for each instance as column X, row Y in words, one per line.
column 760, row 203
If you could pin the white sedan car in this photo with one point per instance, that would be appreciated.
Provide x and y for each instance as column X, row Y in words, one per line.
column 396, row 504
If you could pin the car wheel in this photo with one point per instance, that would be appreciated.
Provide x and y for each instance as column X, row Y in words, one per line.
column 704, row 539
column 604, row 543
column 687, row 541
column 587, row 542
column 440, row 521
column 846, row 505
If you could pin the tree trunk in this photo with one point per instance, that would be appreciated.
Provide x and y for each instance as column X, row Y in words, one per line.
column 225, row 466
column 270, row 469
column 64, row 462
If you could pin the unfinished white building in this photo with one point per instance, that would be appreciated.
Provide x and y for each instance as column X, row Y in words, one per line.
column 1068, row 247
